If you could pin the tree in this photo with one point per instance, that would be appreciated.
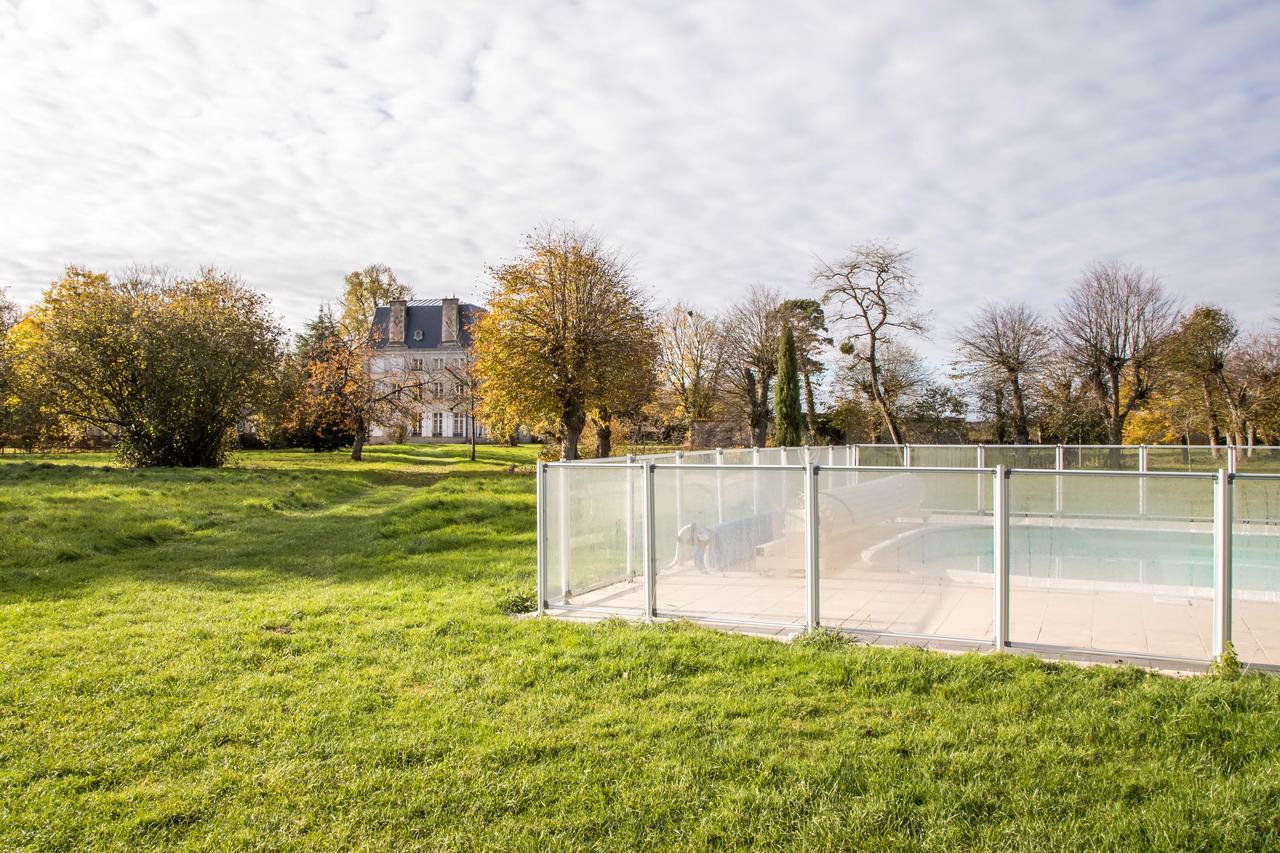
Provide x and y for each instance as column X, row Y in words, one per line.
column 1113, row 327
column 1197, row 354
column 1251, row 383
column 364, row 291
column 751, row 331
column 809, row 323
column 345, row 376
column 1069, row 413
column 691, row 364
column 900, row 376
column 166, row 365
column 1011, row 340
column 301, row 418
column 789, row 419
column 568, row 332
column 938, row 412
column 873, row 293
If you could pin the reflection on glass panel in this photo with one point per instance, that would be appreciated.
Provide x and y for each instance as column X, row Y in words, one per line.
column 906, row 552
column 1103, row 573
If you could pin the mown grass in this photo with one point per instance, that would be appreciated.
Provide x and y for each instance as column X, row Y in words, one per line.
column 299, row 651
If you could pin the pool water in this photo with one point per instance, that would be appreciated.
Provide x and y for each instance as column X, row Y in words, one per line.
column 1177, row 558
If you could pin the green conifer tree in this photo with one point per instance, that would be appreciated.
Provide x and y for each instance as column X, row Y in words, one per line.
column 788, row 416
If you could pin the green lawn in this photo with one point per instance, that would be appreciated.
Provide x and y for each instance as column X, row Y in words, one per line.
column 300, row 651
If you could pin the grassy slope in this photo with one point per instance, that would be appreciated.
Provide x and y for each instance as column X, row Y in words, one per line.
column 300, row 651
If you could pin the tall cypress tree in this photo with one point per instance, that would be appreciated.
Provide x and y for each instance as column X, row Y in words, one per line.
column 788, row 417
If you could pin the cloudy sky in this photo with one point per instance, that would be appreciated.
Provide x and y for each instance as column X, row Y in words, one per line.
column 718, row 144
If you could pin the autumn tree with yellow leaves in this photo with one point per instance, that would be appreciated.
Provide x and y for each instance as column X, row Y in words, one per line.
column 167, row 365
column 568, row 335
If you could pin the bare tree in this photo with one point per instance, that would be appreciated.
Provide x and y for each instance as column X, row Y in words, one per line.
column 752, row 328
column 1010, row 340
column 873, row 294
column 691, row 362
column 900, row 376
column 1250, row 380
column 1113, row 326
column 1198, row 355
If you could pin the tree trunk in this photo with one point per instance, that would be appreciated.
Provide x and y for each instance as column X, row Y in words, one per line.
column 573, row 420
column 1215, row 433
column 1022, row 434
column 472, row 429
column 890, row 422
column 357, row 443
column 1001, row 434
column 810, row 406
column 604, row 435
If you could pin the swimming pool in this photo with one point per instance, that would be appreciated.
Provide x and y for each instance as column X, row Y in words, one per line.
column 1128, row 556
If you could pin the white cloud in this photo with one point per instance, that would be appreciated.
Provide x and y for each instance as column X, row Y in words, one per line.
column 718, row 143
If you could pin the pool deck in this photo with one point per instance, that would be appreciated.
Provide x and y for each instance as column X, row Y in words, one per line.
column 1139, row 625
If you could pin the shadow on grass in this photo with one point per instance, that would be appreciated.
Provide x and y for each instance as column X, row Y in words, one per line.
column 247, row 528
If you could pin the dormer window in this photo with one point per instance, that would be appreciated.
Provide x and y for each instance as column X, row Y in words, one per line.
column 417, row 334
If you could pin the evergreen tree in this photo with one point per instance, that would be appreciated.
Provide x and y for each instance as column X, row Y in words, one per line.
column 788, row 417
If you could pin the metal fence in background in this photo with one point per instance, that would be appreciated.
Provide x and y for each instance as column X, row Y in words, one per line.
column 1160, row 557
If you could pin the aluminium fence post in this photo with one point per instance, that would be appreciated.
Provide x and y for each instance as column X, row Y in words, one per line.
column 1222, row 513
column 1000, row 512
column 650, row 546
column 540, row 485
column 1232, row 459
column 1059, row 464
column 906, row 456
column 812, row 618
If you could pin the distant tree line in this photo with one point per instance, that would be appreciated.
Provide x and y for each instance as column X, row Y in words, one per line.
column 181, row 370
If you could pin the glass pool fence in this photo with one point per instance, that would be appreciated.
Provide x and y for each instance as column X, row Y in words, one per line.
column 1157, row 553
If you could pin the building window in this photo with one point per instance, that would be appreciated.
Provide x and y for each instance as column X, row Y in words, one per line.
column 437, row 388
column 437, row 363
column 415, row 427
column 437, row 424
column 459, row 426
column 417, row 364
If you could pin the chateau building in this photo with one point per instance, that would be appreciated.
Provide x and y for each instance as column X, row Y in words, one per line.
column 430, row 338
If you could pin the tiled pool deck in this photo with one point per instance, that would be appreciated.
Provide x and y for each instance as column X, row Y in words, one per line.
column 1141, row 625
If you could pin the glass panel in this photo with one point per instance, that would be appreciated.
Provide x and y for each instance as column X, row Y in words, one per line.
column 1101, row 458
column 1099, row 575
column 595, row 536
column 1255, row 570
column 737, row 559
column 906, row 552
column 880, row 454
column 793, row 456
column 1259, row 460
column 1039, row 457
column 944, row 456
column 738, row 456
column 1186, row 458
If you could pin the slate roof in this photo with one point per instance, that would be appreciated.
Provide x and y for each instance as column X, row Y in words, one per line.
column 424, row 315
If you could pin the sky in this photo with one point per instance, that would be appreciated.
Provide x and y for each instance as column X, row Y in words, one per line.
column 716, row 145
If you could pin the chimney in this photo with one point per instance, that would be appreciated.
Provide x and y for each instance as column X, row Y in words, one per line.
column 395, row 330
column 449, row 321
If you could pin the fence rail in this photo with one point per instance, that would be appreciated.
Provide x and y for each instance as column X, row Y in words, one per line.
column 1165, row 565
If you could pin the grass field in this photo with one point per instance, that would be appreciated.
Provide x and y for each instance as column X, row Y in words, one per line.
column 300, row 651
